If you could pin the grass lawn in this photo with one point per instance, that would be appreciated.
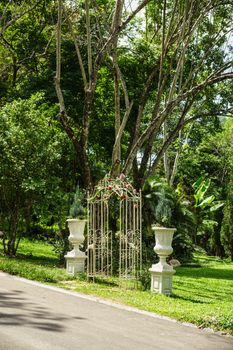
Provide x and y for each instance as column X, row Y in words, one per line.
column 35, row 261
column 202, row 291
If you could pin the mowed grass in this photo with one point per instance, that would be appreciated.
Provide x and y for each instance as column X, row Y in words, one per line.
column 36, row 261
column 202, row 290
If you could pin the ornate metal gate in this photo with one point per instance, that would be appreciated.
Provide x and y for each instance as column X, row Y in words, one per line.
column 114, row 239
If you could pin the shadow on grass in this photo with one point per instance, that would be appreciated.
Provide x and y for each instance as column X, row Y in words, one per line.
column 104, row 281
column 195, row 301
column 205, row 272
column 119, row 283
column 209, row 292
column 39, row 260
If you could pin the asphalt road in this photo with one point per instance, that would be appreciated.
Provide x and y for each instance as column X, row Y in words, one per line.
column 34, row 317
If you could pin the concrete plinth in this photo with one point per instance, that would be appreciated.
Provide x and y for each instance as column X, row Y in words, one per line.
column 75, row 263
column 161, row 279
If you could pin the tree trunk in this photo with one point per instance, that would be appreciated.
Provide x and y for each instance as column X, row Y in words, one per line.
column 231, row 249
column 11, row 244
column 85, row 169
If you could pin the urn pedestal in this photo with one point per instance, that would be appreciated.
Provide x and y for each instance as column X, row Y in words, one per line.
column 75, row 259
column 161, row 273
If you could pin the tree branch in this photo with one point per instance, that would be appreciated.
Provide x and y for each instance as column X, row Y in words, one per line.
column 157, row 121
column 88, row 29
column 17, row 16
column 76, row 44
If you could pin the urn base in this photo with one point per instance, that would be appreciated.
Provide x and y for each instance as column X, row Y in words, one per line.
column 161, row 281
column 75, row 264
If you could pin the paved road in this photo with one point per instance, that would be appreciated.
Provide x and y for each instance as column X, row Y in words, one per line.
column 33, row 317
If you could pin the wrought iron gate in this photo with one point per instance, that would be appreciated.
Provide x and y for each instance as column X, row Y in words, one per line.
column 114, row 240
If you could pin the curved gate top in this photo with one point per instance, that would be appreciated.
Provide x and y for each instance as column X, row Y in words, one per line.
column 114, row 237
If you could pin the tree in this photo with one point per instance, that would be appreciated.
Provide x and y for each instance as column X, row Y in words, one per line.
column 21, row 58
column 189, row 66
column 11, row 11
column 30, row 148
column 210, row 160
column 225, row 142
column 227, row 224
column 205, row 205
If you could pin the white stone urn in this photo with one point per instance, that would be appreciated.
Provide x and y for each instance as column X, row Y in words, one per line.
column 75, row 259
column 161, row 273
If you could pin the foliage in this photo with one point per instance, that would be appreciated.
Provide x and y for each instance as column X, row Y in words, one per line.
column 227, row 222
column 210, row 161
column 165, row 207
column 160, row 199
column 145, row 277
column 77, row 209
column 227, row 226
column 31, row 149
column 225, row 145
column 201, row 186
column 22, row 58
column 204, row 206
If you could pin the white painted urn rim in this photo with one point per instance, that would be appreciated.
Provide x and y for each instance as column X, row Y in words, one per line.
column 162, row 228
column 76, row 219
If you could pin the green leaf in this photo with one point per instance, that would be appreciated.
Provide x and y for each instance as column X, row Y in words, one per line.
column 198, row 182
column 206, row 202
column 216, row 206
